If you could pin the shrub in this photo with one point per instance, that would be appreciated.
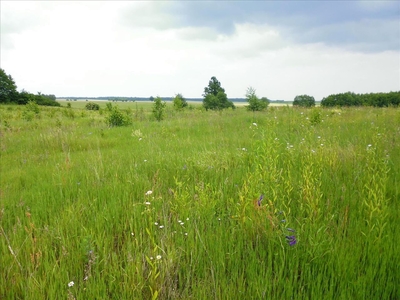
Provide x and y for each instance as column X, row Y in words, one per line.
column 116, row 117
column 92, row 106
column 159, row 109
column 32, row 106
column 179, row 102
column 315, row 117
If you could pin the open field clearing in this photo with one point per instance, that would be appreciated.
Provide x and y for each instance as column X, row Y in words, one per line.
column 284, row 204
column 80, row 103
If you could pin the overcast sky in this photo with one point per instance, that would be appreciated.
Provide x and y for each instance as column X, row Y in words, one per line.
column 150, row 48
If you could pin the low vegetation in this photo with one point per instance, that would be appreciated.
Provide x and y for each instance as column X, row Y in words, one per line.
column 287, row 203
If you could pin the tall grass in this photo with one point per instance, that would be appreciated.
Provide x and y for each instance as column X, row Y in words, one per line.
column 173, row 209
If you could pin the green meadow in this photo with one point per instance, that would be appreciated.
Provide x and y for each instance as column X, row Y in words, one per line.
column 284, row 204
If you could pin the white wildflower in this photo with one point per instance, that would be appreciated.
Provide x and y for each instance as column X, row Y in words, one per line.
column 149, row 193
column 71, row 284
column 158, row 257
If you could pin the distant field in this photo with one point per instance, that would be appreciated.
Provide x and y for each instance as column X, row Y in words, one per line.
column 285, row 204
column 80, row 103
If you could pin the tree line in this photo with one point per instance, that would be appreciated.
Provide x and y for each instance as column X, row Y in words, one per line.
column 371, row 99
column 9, row 93
column 214, row 97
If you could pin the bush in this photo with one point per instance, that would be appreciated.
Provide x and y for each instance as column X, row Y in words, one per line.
column 159, row 109
column 116, row 117
column 92, row 106
column 255, row 104
column 315, row 117
column 179, row 102
column 32, row 106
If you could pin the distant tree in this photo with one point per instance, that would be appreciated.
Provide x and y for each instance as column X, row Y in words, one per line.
column 255, row 104
column 8, row 88
column 215, row 97
column 179, row 102
column 159, row 108
column 304, row 101
column 151, row 98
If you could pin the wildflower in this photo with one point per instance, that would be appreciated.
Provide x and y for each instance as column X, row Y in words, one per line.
column 158, row 257
column 187, row 219
column 149, row 193
column 147, row 203
column 291, row 239
column 260, row 199
column 255, row 124
column 161, row 226
column 156, row 223
column 71, row 284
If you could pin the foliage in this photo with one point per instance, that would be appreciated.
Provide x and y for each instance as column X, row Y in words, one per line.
column 159, row 108
column 352, row 99
column 116, row 117
column 215, row 97
column 32, row 106
column 9, row 93
column 315, row 117
column 46, row 100
column 92, row 106
column 31, row 111
column 179, row 102
column 8, row 88
column 304, row 101
column 255, row 104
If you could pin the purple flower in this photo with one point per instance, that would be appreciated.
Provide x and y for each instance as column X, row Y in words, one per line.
column 260, row 199
column 291, row 239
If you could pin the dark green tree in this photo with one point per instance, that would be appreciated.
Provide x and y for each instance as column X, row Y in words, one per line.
column 8, row 88
column 255, row 104
column 215, row 97
column 304, row 101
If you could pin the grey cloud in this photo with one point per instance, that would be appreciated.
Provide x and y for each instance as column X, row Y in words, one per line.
column 355, row 25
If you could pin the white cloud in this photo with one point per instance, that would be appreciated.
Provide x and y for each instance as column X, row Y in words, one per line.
column 138, row 49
